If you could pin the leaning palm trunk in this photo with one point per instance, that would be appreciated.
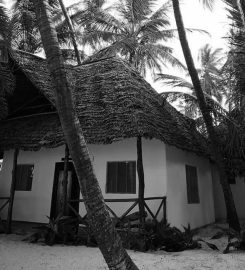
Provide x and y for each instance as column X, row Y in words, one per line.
column 241, row 8
column 229, row 202
column 72, row 32
column 107, row 238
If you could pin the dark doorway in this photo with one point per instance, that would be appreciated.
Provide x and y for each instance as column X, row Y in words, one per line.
column 73, row 190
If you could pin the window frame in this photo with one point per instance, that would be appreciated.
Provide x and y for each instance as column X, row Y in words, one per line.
column 192, row 198
column 134, row 180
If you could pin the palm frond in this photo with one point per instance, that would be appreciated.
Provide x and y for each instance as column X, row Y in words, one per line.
column 159, row 19
column 154, row 28
column 167, row 34
column 4, row 19
column 196, row 30
column 136, row 10
column 173, row 81
column 190, row 96
column 162, row 12
column 208, row 3
column 164, row 54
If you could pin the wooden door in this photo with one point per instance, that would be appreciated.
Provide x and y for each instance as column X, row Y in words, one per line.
column 73, row 190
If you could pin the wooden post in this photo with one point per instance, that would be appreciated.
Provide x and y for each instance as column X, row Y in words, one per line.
column 65, row 181
column 141, row 191
column 165, row 210
column 12, row 192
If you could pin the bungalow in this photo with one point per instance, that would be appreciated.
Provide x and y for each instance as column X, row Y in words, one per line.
column 115, row 105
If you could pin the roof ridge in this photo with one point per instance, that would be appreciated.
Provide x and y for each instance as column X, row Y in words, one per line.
column 28, row 53
column 86, row 62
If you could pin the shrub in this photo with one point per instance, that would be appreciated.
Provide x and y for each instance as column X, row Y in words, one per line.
column 63, row 229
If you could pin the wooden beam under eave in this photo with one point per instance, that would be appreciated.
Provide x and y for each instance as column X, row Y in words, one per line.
column 141, row 178
column 12, row 192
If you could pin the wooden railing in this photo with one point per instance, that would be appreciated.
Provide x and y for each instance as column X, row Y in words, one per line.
column 135, row 202
column 6, row 199
column 5, row 203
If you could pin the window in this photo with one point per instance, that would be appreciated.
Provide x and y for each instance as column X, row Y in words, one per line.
column 121, row 177
column 192, row 184
column 24, row 175
column 1, row 160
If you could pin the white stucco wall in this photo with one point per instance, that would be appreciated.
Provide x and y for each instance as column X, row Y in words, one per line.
column 238, row 191
column 34, row 205
column 179, row 212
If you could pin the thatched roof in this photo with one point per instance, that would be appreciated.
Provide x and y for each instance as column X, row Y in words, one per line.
column 113, row 102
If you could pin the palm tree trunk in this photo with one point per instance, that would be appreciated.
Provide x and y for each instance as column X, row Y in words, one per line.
column 103, row 229
column 12, row 192
column 72, row 32
column 141, row 192
column 65, row 182
column 241, row 8
column 229, row 201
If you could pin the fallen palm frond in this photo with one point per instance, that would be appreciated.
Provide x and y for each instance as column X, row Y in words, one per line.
column 236, row 240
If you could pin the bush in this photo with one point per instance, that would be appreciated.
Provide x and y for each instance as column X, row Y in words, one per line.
column 63, row 229
column 161, row 236
column 154, row 235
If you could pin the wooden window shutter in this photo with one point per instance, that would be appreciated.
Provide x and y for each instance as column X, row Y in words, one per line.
column 131, row 182
column 121, row 177
column 24, row 175
column 192, row 184
column 111, row 183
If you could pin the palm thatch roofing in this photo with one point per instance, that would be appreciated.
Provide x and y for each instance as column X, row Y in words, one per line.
column 113, row 102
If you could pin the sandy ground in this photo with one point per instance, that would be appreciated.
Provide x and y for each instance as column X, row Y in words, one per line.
column 16, row 255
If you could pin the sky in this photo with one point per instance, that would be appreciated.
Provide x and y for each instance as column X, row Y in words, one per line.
column 194, row 16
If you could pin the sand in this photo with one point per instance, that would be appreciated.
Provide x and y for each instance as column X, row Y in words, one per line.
column 16, row 255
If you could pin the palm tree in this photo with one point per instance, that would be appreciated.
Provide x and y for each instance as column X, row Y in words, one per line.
column 134, row 31
column 230, row 205
column 210, row 70
column 241, row 8
column 22, row 28
column 235, row 65
column 7, row 81
column 210, row 73
column 72, row 31
column 108, row 240
column 3, row 20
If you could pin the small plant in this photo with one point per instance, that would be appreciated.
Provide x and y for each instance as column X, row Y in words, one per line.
column 59, row 230
column 236, row 239
column 173, row 239
column 158, row 235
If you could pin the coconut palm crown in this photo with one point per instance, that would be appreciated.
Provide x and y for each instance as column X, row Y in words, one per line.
column 210, row 76
column 131, row 28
